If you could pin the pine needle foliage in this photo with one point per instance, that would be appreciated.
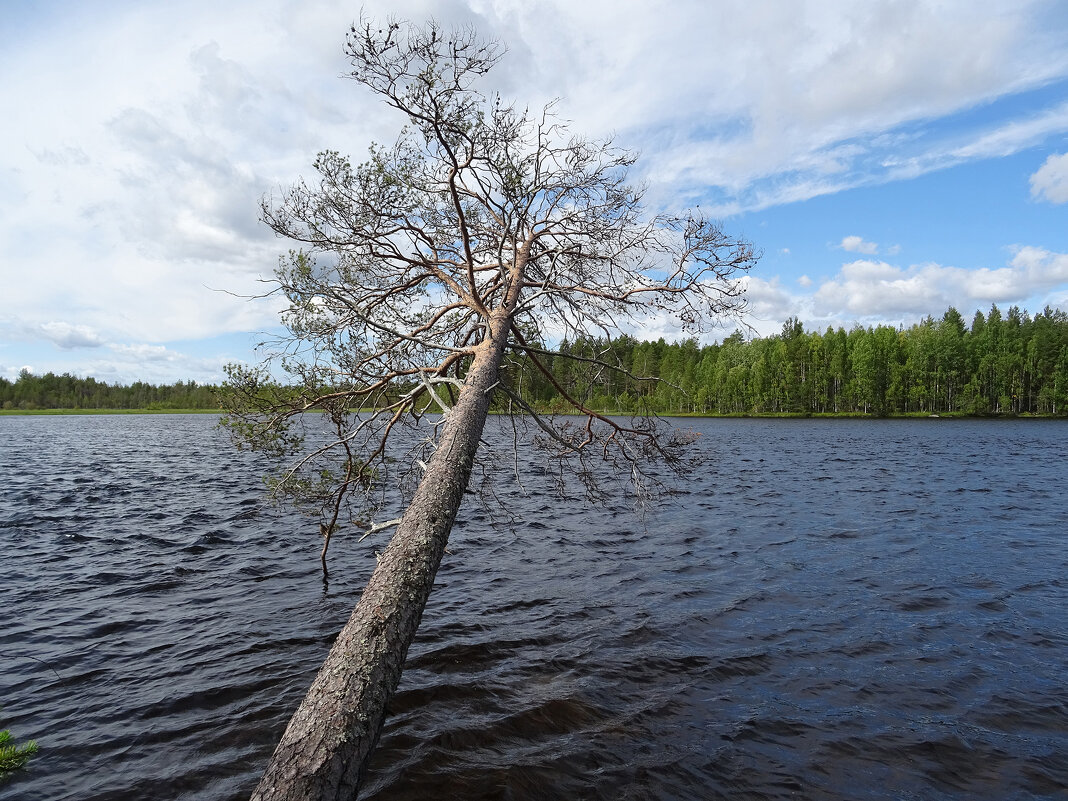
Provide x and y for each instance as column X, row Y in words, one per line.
column 13, row 757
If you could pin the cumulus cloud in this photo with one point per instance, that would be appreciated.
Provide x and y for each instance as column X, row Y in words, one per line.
column 769, row 303
column 876, row 292
column 866, row 289
column 68, row 336
column 856, row 244
column 11, row 373
column 126, row 363
column 1050, row 182
column 1038, row 269
column 151, row 353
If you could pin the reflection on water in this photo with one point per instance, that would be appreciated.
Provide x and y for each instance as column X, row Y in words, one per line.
column 831, row 609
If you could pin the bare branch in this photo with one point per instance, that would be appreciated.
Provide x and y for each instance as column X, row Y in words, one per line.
column 430, row 276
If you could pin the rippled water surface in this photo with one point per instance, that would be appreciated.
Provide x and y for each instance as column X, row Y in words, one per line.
column 829, row 610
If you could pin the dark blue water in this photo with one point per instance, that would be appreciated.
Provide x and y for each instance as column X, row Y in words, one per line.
column 829, row 610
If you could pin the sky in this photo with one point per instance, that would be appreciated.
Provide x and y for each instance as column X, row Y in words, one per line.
column 889, row 158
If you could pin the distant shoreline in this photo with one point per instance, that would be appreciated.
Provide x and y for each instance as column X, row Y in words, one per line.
column 13, row 412
column 740, row 416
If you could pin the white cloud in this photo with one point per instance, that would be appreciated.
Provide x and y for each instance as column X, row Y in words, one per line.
column 156, row 364
column 870, row 288
column 811, row 97
column 152, row 353
column 995, row 142
column 128, row 192
column 873, row 292
column 1038, row 269
column 1050, row 182
column 12, row 373
column 865, row 289
column 124, row 364
column 769, row 303
column 134, row 189
column 856, row 244
column 67, row 336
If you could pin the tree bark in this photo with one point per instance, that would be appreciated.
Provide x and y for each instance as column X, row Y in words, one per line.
column 326, row 746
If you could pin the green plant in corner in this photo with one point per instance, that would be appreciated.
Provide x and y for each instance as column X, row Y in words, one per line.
column 13, row 757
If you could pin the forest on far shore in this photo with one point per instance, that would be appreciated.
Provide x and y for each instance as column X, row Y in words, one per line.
column 1009, row 363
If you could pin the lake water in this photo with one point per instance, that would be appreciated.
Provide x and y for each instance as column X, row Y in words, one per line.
column 831, row 609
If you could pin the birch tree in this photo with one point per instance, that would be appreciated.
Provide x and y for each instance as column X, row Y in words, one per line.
column 415, row 277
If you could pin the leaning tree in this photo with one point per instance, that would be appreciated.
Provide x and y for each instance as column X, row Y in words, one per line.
column 421, row 281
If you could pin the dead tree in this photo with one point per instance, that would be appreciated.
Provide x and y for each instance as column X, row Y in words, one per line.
column 482, row 233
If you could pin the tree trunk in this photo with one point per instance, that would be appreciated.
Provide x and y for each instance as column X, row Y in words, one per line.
column 325, row 749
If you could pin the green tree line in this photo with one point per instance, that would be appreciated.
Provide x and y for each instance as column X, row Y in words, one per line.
column 1009, row 363
column 999, row 364
column 51, row 391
